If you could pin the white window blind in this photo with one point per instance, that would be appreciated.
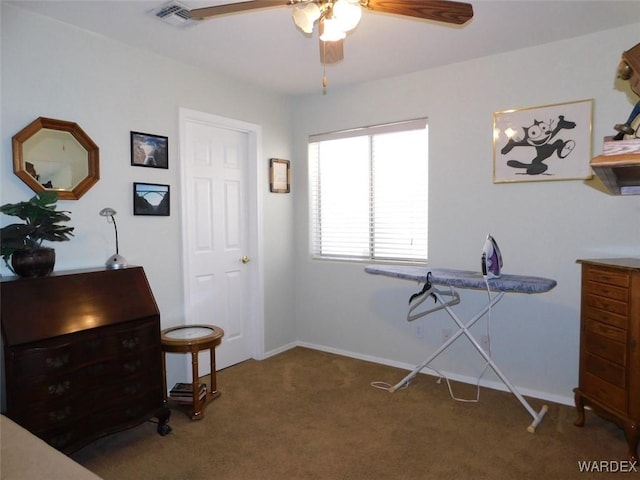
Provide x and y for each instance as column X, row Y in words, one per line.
column 369, row 193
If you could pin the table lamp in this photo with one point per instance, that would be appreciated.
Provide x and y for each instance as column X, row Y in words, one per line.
column 116, row 260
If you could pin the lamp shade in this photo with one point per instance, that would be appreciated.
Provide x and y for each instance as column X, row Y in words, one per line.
column 330, row 30
column 107, row 212
column 305, row 15
column 348, row 14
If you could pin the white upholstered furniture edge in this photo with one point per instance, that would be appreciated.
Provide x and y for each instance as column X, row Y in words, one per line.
column 25, row 456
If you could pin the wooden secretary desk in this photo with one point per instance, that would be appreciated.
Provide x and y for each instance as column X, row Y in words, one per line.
column 610, row 345
column 82, row 354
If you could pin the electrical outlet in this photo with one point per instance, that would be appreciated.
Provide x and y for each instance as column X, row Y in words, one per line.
column 419, row 331
column 446, row 334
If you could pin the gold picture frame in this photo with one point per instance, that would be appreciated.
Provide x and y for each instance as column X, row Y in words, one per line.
column 279, row 175
column 551, row 142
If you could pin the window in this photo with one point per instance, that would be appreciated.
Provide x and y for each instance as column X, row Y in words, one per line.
column 369, row 193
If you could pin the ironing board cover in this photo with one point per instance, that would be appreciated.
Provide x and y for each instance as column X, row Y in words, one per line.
column 465, row 278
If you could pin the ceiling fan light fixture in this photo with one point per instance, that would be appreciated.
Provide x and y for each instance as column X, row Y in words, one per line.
column 348, row 13
column 330, row 30
column 305, row 15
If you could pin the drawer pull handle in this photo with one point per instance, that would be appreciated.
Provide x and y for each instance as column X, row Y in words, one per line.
column 57, row 362
column 59, row 388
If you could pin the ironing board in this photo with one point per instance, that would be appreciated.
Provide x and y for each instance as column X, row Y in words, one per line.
column 444, row 299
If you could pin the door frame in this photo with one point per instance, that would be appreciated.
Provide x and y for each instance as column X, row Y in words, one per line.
column 255, row 171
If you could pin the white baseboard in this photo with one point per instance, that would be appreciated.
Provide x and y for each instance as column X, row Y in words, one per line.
column 284, row 348
column 560, row 399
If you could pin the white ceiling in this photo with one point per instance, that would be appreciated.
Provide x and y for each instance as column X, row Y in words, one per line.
column 266, row 48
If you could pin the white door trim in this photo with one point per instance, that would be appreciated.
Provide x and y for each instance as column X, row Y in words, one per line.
column 256, row 172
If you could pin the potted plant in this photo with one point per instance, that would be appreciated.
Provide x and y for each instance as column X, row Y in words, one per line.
column 22, row 242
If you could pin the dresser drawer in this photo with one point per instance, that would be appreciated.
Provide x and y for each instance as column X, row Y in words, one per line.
column 607, row 394
column 610, row 372
column 121, row 340
column 54, row 412
column 605, row 347
column 86, row 380
column 607, row 304
column 56, row 356
column 607, row 331
column 608, row 291
column 617, row 278
column 594, row 314
column 48, row 360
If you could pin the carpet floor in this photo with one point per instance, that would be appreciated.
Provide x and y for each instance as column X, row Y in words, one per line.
column 306, row 414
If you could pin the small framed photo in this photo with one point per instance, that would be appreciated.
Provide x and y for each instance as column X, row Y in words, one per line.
column 552, row 142
column 149, row 150
column 279, row 176
column 151, row 199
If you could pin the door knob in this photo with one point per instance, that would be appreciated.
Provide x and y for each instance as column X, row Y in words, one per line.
column 245, row 259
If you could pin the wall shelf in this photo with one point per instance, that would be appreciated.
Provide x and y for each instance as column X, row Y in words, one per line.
column 619, row 173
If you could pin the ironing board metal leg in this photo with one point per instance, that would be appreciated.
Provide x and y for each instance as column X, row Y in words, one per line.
column 451, row 339
column 537, row 417
column 419, row 368
column 464, row 330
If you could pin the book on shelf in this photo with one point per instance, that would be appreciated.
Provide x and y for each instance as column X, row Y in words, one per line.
column 184, row 391
column 189, row 400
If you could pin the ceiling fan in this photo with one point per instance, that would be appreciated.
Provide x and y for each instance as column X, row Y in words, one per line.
column 336, row 17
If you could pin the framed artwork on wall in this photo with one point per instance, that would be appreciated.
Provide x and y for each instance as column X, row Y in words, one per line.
column 551, row 142
column 149, row 150
column 279, row 176
column 151, row 199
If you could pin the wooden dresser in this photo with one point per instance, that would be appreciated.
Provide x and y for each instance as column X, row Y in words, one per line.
column 609, row 345
column 82, row 354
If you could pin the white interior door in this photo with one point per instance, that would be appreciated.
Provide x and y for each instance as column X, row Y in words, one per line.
column 218, row 251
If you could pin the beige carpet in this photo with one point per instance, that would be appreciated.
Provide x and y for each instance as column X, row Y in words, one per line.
column 306, row 414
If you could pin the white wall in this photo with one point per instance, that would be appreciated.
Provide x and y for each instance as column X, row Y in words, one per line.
column 542, row 227
column 50, row 69
column 54, row 70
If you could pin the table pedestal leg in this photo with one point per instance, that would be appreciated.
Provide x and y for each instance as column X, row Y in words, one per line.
column 165, row 395
column 214, row 382
column 195, row 378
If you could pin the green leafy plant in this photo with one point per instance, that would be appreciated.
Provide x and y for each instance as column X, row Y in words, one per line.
column 41, row 222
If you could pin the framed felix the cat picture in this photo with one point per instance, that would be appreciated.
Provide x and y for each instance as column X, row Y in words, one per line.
column 552, row 142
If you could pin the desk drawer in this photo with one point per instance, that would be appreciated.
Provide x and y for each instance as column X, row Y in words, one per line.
column 605, row 393
column 618, row 278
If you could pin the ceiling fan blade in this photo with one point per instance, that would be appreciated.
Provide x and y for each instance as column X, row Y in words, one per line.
column 331, row 52
column 208, row 12
column 438, row 10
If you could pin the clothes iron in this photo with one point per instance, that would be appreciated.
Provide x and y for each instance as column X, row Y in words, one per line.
column 491, row 258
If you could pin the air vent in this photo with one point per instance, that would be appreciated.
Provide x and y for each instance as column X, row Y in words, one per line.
column 174, row 13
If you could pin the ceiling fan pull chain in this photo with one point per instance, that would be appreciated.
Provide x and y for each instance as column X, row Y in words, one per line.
column 325, row 81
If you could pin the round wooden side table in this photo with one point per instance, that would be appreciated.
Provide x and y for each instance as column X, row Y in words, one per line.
column 191, row 339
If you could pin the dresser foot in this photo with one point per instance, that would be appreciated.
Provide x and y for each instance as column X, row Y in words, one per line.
column 163, row 421
column 632, row 434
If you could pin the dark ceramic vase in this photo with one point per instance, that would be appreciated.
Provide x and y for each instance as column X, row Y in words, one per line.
column 34, row 262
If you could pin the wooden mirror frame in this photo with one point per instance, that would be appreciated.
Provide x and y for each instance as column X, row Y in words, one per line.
column 93, row 157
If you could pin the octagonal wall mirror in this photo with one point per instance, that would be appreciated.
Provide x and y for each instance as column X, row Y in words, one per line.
column 56, row 155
